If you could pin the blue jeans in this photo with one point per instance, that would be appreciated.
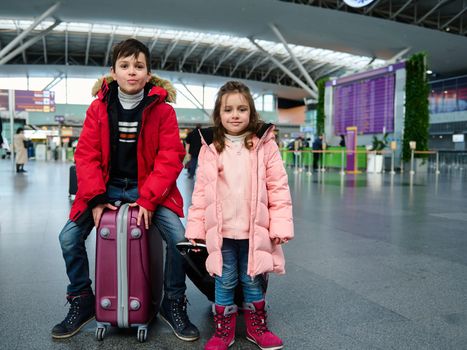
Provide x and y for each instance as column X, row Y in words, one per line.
column 234, row 268
column 73, row 235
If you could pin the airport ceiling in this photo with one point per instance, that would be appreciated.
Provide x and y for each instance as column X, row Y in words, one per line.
column 382, row 32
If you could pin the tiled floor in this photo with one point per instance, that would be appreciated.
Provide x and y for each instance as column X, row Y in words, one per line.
column 379, row 262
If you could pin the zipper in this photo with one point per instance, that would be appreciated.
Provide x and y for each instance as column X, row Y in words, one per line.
column 254, row 209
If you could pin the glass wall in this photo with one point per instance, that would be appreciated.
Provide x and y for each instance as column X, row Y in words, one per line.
column 448, row 95
column 78, row 91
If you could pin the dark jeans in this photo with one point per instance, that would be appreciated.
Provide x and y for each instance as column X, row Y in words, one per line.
column 234, row 268
column 192, row 166
column 316, row 161
column 72, row 240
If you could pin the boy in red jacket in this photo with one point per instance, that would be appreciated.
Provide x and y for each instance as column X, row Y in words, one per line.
column 129, row 150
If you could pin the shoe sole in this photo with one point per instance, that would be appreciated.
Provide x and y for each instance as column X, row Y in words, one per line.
column 272, row 348
column 176, row 334
column 69, row 335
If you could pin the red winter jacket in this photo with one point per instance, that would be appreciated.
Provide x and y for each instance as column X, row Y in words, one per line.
column 160, row 152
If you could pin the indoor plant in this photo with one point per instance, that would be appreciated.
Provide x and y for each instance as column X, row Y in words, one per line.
column 375, row 157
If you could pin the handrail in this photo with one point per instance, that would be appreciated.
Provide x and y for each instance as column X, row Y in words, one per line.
column 299, row 166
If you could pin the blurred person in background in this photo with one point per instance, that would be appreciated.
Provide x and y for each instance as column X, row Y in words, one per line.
column 19, row 146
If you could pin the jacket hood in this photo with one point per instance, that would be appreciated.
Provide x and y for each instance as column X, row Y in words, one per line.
column 265, row 131
column 155, row 80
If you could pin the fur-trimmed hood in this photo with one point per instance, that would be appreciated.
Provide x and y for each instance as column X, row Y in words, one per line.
column 155, row 80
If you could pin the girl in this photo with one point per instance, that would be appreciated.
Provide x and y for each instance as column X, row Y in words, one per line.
column 241, row 207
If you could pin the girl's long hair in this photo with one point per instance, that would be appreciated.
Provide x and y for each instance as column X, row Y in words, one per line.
column 253, row 126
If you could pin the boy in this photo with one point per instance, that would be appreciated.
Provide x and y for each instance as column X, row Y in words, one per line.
column 129, row 150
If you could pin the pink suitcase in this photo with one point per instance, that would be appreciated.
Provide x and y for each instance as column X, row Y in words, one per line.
column 123, row 286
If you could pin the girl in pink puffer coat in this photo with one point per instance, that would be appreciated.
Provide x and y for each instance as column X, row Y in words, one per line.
column 241, row 207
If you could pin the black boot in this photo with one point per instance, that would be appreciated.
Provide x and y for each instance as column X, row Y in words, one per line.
column 18, row 168
column 21, row 169
column 82, row 310
column 174, row 313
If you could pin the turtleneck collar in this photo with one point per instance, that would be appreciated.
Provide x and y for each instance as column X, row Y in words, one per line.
column 236, row 138
column 130, row 101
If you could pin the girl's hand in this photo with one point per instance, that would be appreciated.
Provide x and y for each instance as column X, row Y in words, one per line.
column 277, row 240
column 193, row 243
column 98, row 210
column 143, row 213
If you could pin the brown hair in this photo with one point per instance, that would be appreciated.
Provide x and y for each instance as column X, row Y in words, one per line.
column 130, row 47
column 254, row 124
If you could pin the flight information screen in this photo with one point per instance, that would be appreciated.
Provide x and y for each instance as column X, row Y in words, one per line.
column 367, row 104
column 35, row 101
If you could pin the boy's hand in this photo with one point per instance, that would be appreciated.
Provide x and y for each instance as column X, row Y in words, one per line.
column 277, row 240
column 98, row 210
column 145, row 214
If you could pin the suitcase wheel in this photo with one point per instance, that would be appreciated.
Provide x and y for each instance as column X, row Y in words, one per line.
column 100, row 332
column 142, row 334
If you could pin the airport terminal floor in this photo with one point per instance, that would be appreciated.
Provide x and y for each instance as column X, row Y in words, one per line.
column 379, row 262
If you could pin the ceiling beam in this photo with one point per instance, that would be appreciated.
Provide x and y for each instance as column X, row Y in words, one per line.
column 224, row 58
column 169, row 51
column 332, row 70
column 241, row 60
column 402, row 8
column 285, row 70
column 33, row 25
column 258, row 63
column 66, row 45
column 206, row 54
column 109, row 46
column 398, row 55
column 44, row 45
column 88, row 44
column 299, row 65
column 199, row 105
column 372, row 6
column 187, row 53
column 54, row 82
column 154, row 41
column 28, row 43
column 18, row 32
column 438, row 5
column 460, row 13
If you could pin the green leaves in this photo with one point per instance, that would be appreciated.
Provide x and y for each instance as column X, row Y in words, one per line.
column 320, row 116
column 379, row 145
column 417, row 116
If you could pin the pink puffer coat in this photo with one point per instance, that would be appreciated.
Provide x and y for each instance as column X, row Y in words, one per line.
column 271, row 207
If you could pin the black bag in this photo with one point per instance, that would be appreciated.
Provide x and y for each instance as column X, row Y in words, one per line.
column 195, row 268
column 73, row 182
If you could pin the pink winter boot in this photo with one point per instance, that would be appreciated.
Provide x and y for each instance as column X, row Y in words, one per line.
column 225, row 318
column 256, row 328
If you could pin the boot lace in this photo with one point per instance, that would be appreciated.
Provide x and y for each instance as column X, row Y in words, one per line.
column 222, row 325
column 178, row 308
column 73, row 312
column 258, row 321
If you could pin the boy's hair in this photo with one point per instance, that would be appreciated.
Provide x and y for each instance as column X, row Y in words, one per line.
column 130, row 47
column 253, row 126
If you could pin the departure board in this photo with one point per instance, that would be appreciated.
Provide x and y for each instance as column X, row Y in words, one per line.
column 3, row 100
column 35, row 101
column 367, row 104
